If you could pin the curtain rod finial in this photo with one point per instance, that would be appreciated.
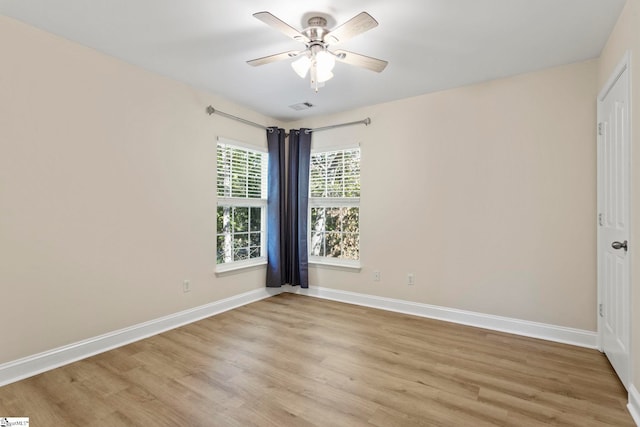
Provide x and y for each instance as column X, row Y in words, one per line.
column 367, row 121
column 210, row 110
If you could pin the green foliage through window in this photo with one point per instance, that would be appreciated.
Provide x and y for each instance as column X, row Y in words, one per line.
column 335, row 232
column 239, row 234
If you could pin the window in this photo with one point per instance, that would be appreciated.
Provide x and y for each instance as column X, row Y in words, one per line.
column 334, row 205
column 242, row 205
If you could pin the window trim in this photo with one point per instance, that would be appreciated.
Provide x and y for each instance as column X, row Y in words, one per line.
column 240, row 265
column 316, row 202
column 244, row 202
column 336, row 263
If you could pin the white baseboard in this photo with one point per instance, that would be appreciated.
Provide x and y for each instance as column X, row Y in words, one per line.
column 526, row 328
column 634, row 404
column 38, row 363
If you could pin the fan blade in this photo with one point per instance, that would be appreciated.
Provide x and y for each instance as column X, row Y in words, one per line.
column 273, row 58
column 358, row 60
column 281, row 26
column 356, row 25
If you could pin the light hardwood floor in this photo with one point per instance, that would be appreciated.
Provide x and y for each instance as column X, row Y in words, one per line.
column 292, row 360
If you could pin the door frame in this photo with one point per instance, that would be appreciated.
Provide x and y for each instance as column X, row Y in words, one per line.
column 623, row 65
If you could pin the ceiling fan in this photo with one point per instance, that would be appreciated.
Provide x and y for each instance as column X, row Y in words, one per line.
column 316, row 58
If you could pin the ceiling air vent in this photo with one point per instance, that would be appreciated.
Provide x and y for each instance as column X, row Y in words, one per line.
column 301, row 106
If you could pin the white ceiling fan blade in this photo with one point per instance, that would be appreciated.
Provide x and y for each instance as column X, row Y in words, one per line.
column 358, row 60
column 356, row 25
column 281, row 26
column 273, row 58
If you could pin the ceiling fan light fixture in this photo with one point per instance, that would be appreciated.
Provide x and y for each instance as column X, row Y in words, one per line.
column 325, row 61
column 322, row 64
column 323, row 75
column 314, row 80
column 301, row 66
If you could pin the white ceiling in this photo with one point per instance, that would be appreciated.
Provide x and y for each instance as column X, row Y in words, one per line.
column 431, row 45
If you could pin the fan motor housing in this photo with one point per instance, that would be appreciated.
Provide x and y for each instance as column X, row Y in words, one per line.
column 317, row 21
column 317, row 28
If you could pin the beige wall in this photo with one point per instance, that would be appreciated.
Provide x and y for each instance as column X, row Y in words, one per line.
column 626, row 37
column 107, row 194
column 486, row 193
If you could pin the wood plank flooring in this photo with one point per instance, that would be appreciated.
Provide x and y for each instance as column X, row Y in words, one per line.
column 292, row 360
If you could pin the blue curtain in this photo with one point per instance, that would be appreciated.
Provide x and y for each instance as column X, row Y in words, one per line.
column 276, row 214
column 297, row 258
column 287, row 211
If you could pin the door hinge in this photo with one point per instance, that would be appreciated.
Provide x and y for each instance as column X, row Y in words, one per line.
column 601, row 310
column 600, row 219
column 601, row 128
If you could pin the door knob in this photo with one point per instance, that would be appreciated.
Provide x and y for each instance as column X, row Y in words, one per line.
column 618, row 245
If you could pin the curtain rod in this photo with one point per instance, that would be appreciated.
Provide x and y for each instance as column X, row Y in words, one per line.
column 365, row 122
column 210, row 110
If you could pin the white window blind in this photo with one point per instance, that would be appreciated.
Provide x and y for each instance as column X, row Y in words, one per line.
column 335, row 174
column 241, row 172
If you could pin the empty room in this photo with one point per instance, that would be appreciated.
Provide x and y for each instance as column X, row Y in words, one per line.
column 328, row 213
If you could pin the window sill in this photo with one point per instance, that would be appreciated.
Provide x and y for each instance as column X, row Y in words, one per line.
column 237, row 267
column 338, row 265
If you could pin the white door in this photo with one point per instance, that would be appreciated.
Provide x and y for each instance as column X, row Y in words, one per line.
column 613, row 221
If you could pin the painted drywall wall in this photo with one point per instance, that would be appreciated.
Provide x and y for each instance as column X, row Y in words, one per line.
column 107, row 193
column 626, row 37
column 486, row 193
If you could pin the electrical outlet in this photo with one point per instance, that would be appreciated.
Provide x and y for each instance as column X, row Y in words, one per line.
column 411, row 279
column 376, row 276
column 186, row 286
